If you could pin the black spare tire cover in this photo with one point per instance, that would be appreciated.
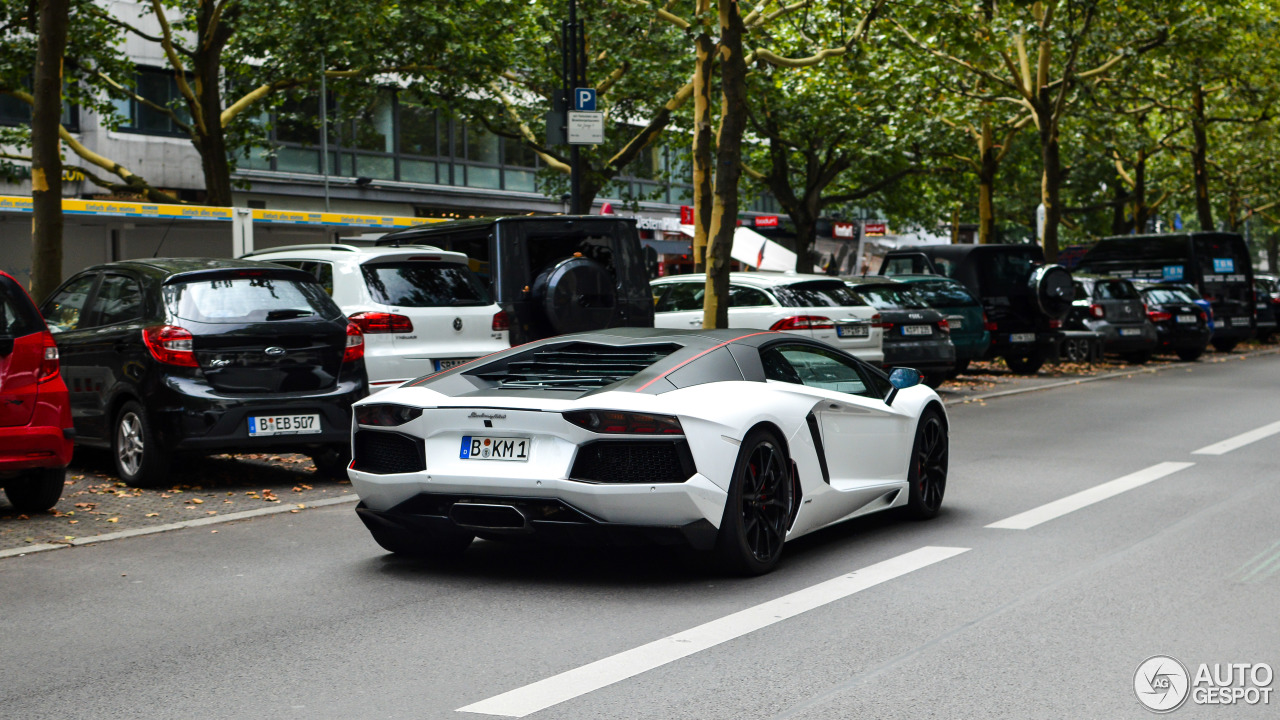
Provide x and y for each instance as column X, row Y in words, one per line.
column 1052, row 287
column 576, row 294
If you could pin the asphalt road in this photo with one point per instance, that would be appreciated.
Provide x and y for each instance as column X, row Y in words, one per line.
column 303, row 616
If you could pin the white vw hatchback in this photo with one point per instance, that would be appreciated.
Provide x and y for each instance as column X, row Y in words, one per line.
column 816, row 306
column 421, row 309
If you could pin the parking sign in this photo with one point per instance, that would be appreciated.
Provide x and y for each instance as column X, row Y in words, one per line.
column 584, row 99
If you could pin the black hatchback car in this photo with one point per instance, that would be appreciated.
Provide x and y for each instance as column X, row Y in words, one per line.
column 915, row 335
column 206, row 356
column 1182, row 326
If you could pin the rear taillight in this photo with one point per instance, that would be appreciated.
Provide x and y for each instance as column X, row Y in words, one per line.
column 501, row 321
column 988, row 325
column 625, row 423
column 49, row 362
column 380, row 323
column 1160, row 316
column 355, row 344
column 944, row 326
column 803, row 322
column 1097, row 311
column 1275, row 300
column 1055, row 324
column 877, row 321
column 170, row 345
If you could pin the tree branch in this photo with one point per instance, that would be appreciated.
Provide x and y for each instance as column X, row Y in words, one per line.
column 552, row 161
column 179, row 72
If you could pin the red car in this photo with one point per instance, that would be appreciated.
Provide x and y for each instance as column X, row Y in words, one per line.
column 35, row 413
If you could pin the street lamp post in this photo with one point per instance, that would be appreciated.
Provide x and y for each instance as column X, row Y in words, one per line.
column 573, row 46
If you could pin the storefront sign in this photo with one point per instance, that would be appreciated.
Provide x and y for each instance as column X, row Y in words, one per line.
column 875, row 229
column 842, row 230
column 766, row 221
column 686, row 215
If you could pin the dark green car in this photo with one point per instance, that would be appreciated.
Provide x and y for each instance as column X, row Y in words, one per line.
column 963, row 312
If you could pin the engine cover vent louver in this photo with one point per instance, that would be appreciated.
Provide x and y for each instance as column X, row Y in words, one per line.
column 577, row 366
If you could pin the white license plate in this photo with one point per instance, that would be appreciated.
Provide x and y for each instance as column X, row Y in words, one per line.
column 1240, row 321
column 1022, row 338
column 852, row 331
column 475, row 447
column 263, row 425
column 1127, row 332
column 917, row 330
column 955, row 323
column 451, row 363
column 1186, row 318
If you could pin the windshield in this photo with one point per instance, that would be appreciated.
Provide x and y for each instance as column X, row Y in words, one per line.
column 818, row 293
column 246, row 300
column 1114, row 290
column 943, row 294
column 423, row 284
column 889, row 297
column 1166, row 296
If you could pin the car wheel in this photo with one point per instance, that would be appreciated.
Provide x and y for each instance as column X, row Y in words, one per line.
column 422, row 547
column 140, row 461
column 758, row 509
column 935, row 380
column 962, row 366
column 332, row 462
column 927, row 476
column 1190, row 354
column 1024, row 364
column 36, row 491
column 1076, row 350
column 1225, row 346
column 1138, row 358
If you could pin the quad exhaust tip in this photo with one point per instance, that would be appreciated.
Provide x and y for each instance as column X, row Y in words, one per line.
column 479, row 516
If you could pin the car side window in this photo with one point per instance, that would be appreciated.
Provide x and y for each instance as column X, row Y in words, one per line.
column 119, row 299
column 321, row 271
column 65, row 311
column 813, row 367
column 681, row 296
column 899, row 266
column 17, row 317
column 740, row 296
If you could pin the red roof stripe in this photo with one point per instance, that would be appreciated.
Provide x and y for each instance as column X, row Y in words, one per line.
column 704, row 352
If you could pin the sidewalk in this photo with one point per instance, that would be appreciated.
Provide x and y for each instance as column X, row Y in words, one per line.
column 95, row 503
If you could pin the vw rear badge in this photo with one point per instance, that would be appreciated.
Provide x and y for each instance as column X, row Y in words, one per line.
column 457, row 323
column 274, row 351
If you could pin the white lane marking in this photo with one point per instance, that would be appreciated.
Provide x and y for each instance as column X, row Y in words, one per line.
column 601, row 673
column 1239, row 441
column 1085, row 498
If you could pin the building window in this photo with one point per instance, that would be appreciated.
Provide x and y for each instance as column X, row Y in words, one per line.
column 159, row 88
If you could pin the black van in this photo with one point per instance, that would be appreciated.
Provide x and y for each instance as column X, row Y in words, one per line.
column 1216, row 263
column 554, row 274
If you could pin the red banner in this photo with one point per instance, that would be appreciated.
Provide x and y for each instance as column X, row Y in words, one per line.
column 842, row 230
column 686, row 215
column 875, row 228
column 766, row 221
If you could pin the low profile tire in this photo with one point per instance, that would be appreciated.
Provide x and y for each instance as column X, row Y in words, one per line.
column 758, row 509
column 36, row 491
column 139, row 459
column 1024, row 364
column 1189, row 354
column 1138, row 358
column 422, row 547
column 1225, row 346
column 332, row 462
column 927, row 475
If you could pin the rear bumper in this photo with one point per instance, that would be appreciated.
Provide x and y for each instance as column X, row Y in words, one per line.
column 1046, row 345
column 553, row 521
column 26, row 447
column 923, row 355
column 1182, row 337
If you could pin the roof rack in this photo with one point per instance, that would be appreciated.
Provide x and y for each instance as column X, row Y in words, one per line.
column 316, row 246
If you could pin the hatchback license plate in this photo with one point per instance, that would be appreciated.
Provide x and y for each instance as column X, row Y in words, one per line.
column 1126, row 332
column 917, row 330
column 1240, row 321
column 1186, row 318
column 955, row 323
column 475, row 447
column 263, row 425
column 1022, row 337
column 849, row 330
column 451, row 363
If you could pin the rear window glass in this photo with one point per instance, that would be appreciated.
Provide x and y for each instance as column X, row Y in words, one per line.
column 1139, row 248
column 1006, row 273
column 244, row 300
column 1166, row 296
column 943, row 294
column 887, row 297
column 818, row 293
column 423, row 284
column 1114, row 290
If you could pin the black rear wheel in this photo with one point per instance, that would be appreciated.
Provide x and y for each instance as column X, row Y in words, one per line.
column 1026, row 364
column 36, row 491
column 927, row 475
column 332, row 462
column 1189, row 354
column 1225, row 346
column 758, row 510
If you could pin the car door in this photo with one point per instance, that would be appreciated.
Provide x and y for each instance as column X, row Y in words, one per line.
column 750, row 308
column 68, row 315
column 679, row 307
column 865, row 441
column 112, row 350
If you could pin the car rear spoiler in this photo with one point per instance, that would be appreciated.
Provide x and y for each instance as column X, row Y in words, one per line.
column 275, row 272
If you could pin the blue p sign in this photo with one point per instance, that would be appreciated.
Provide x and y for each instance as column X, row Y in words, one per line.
column 584, row 99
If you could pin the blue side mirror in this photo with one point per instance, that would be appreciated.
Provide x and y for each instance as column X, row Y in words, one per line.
column 903, row 378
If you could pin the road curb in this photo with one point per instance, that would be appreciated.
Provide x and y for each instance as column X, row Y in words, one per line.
column 1093, row 378
column 198, row 522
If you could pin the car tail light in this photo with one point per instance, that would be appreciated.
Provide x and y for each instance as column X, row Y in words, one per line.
column 1055, row 324
column 944, row 326
column 1097, row 311
column 49, row 363
column 1275, row 300
column 1160, row 316
column 501, row 321
column 878, row 321
column 804, row 322
column 386, row 414
column 380, row 323
column 624, row 423
column 170, row 345
column 988, row 325
column 355, row 344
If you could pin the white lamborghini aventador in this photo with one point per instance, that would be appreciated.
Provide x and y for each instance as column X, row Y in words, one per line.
column 726, row 440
